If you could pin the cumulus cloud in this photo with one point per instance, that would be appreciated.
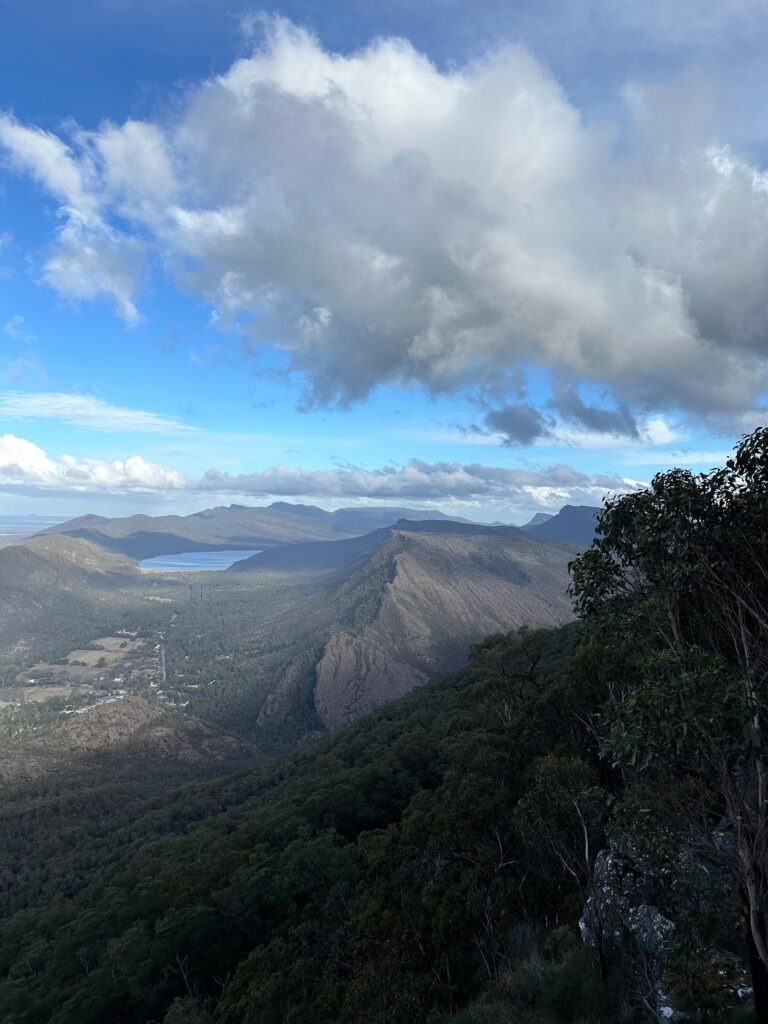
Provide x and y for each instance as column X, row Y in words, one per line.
column 89, row 258
column 25, row 468
column 87, row 263
column 87, row 411
column 382, row 220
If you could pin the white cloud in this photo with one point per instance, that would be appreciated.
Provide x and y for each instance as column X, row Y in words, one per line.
column 652, row 433
column 387, row 221
column 87, row 411
column 137, row 170
column 89, row 258
column 53, row 165
column 659, row 431
column 26, row 469
column 87, row 263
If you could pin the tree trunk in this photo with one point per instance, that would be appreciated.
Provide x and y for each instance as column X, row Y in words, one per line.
column 759, row 977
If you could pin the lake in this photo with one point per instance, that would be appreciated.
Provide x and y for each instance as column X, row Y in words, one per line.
column 194, row 561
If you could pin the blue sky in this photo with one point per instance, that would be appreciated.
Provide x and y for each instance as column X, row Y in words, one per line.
column 487, row 257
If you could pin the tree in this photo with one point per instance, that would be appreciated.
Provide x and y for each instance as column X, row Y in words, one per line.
column 678, row 574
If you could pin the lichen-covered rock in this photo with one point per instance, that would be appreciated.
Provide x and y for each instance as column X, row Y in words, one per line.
column 650, row 930
column 618, row 911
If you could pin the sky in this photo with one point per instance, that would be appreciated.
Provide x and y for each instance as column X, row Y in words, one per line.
column 486, row 257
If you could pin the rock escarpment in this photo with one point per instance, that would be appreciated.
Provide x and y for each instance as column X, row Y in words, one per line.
column 421, row 600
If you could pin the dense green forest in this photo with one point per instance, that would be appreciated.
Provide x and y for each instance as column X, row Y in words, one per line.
column 570, row 829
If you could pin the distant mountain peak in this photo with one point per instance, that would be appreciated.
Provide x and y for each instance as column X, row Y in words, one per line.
column 573, row 524
column 298, row 510
column 538, row 519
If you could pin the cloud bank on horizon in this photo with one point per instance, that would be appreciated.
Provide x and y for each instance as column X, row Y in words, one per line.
column 384, row 221
column 25, row 468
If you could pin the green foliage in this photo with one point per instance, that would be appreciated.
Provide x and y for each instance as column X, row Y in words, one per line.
column 705, row 983
column 375, row 875
column 555, row 981
column 678, row 575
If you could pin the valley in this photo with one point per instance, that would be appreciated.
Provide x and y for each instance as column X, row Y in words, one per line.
column 280, row 646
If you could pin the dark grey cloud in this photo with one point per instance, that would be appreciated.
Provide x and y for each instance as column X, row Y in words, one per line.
column 569, row 404
column 519, row 423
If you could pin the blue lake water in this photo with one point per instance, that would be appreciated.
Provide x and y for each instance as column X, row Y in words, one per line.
column 194, row 561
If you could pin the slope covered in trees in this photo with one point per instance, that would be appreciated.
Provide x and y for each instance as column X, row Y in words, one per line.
column 57, row 592
column 371, row 876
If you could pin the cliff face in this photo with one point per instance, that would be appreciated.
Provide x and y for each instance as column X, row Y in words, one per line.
column 419, row 602
column 356, row 674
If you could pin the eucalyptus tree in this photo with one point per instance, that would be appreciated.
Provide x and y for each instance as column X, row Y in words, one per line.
column 678, row 575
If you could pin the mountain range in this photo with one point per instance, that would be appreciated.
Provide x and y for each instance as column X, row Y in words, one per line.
column 530, row 836
column 248, row 527
column 301, row 638
column 232, row 527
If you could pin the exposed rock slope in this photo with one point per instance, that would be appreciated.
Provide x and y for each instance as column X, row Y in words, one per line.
column 412, row 606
